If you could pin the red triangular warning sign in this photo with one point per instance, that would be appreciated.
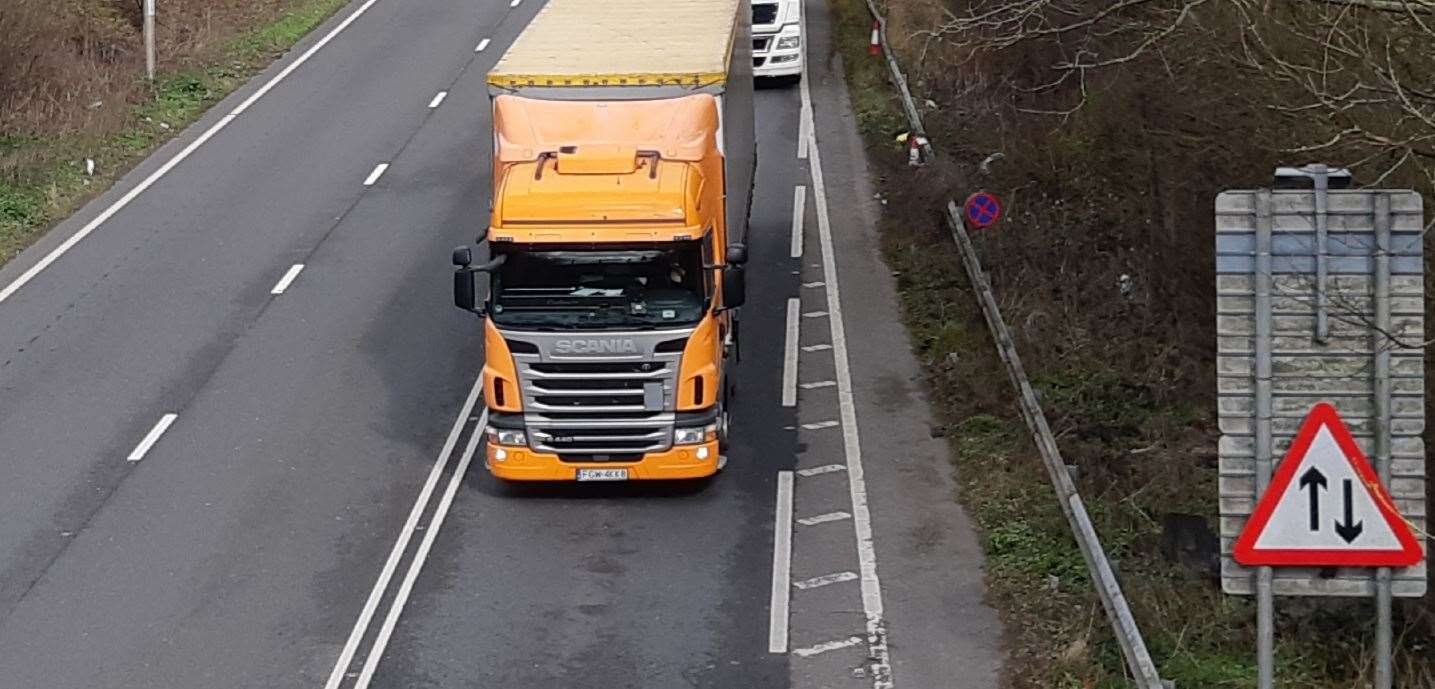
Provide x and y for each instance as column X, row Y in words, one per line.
column 1325, row 507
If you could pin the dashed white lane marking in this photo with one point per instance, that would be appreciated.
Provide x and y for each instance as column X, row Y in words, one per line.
column 819, row 384
column 89, row 227
column 288, row 278
column 481, row 45
column 152, row 437
column 514, row 3
column 376, row 174
column 817, row 348
column 818, row 471
column 817, row 283
column 799, row 208
column 814, row 314
column 420, row 556
column 346, row 656
column 438, row 99
column 781, row 566
column 819, row 425
column 789, row 356
column 803, row 122
column 824, row 518
column 827, row 646
column 824, row 580
column 877, row 650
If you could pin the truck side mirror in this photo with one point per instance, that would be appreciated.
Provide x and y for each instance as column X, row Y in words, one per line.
column 462, row 256
column 464, row 293
column 737, row 254
column 734, row 288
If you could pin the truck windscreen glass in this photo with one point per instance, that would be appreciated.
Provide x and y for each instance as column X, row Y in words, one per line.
column 643, row 288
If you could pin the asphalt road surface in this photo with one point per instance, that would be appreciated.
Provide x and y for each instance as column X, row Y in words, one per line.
column 238, row 414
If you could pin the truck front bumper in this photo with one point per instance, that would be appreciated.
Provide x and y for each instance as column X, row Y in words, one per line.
column 523, row 464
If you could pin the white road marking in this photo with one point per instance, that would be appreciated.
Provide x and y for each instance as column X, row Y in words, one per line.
column 481, row 45
column 288, row 278
column 819, row 384
column 803, row 121
column 824, row 518
column 438, row 99
column 818, row 471
column 781, row 566
column 152, row 437
column 819, row 425
column 70, row 242
column 817, row 348
column 376, row 174
column 877, row 651
column 799, row 208
column 814, row 314
column 816, row 283
column 514, row 3
column 827, row 646
column 824, row 580
column 420, row 556
column 789, row 357
column 366, row 615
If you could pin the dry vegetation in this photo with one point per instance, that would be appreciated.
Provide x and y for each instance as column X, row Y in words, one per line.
column 72, row 87
column 1118, row 122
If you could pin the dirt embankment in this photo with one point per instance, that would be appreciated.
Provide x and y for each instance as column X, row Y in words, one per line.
column 72, row 88
column 1115, row 131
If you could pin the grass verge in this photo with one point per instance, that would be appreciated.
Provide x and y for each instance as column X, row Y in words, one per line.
column 44, row 180
column 1144, row 447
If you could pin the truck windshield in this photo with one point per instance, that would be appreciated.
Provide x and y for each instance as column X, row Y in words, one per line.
column 637, row 289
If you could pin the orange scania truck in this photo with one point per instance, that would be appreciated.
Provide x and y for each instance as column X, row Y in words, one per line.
column 623, row 164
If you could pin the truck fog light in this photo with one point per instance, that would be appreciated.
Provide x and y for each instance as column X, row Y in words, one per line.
column 696, row 435
column 506, row 436
column 500, row 454
column 782, row 58
column 702, row 453
column 789, row 42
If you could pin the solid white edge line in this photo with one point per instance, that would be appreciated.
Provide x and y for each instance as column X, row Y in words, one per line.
column 151, row 438
column 69, row 243
column 438, row 99
column 288, row 278
column 376, row 174
column 481, row 45
column 781, row 566
column 789, row 357
column 381, row 642
column 341, row 666
column 881, row 662
column 799, row 208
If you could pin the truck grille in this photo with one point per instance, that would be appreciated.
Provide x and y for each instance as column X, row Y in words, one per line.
column 764, row 13
column 596, row 411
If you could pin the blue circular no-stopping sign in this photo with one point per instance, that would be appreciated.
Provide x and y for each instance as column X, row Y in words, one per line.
column 982, row 209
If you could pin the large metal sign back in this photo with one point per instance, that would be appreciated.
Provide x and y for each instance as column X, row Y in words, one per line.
column 1319, row 299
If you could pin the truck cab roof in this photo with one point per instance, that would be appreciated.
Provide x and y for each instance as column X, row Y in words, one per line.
column 605, row 171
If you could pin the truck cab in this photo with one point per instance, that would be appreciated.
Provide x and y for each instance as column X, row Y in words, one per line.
column 777, row 38
column 609, row 319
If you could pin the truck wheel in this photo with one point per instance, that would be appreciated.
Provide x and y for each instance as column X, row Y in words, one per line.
column 724, row 422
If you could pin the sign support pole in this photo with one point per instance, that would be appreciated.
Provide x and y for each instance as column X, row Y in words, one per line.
column 1381, row 348
column 149, row 12
column 1265, row 595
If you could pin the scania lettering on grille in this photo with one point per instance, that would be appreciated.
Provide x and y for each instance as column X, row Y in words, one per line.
column 595, row 346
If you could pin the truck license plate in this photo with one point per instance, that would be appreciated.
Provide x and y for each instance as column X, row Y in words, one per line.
column 602, row 474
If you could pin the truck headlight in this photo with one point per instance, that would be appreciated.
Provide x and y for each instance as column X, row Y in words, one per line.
column 506, row 436
column 696, row 435
column 789, row 42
